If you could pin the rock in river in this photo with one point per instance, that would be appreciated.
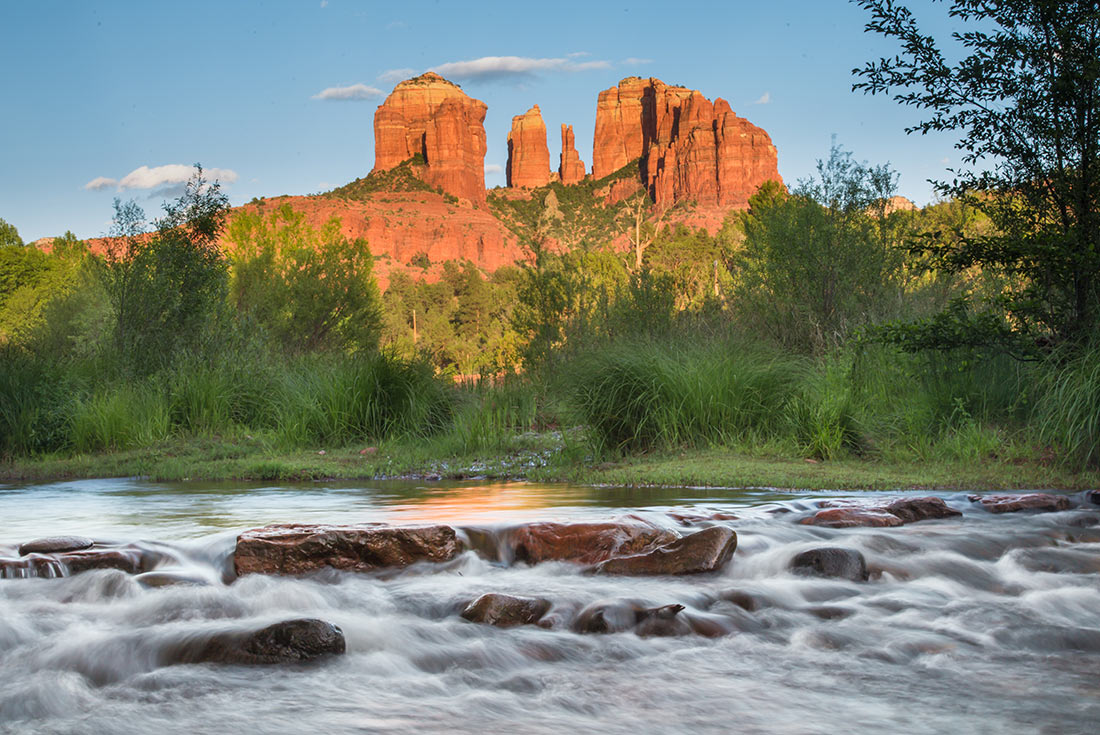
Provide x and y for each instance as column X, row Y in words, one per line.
column 832, row 561
column 506, row 611
column 584, row 543
column 298, row 549
column 1028, row 501
column 703, row 551
column 291, row 641
column 55, row 544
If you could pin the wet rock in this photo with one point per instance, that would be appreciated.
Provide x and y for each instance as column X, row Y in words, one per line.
column 298, row 549
column 690, row 518
column 832, row 561
column 291, row 641
column 584, row 543
column 829, row 612
column 55, row 544
column 1043, row 502
column 1093, row 496
column 851, row 517
column 128, row 558
column 742, row 599
column 911, row 510
column 506, row 611
column 164, row 578
column 623, row 615
column 703, row 551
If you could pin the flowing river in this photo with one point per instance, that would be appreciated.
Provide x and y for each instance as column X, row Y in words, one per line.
column 980, row 623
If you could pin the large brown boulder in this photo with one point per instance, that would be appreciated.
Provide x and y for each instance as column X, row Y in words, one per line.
column 528, row 155
column 570, row 165
column 299, row 548
column 703, row 551
column 290, row 641
column 1044, row 502
column 54, row 544
column 690, row 149
column 584, row 543
column 432, row 117
column 506, row 611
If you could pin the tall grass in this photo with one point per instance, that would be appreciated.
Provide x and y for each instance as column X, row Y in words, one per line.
column 634, row 395
column 1068, row 411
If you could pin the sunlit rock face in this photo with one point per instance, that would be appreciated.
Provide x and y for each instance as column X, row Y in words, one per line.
column 690, row 148
column 570, row 166
column 432, row 117
column 528, row 154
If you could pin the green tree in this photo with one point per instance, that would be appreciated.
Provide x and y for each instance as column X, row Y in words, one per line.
column 313, row 289
column 9, row 236
column 1024, row 96
column 167, row 287
column 818, row 263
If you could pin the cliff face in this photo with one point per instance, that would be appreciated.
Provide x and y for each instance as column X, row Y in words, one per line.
column 528, row 154
column 570, row 166
column 690, row 148
column 434, row 118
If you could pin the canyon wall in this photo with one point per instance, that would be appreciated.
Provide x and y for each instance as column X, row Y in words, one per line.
column 528, row 155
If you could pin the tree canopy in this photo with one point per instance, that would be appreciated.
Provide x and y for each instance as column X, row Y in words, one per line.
column 1024, row 98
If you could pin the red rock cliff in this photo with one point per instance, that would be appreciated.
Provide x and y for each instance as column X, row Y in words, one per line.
column 528, row 154
column 433, row 117
column 570, row 166
column 690, row 148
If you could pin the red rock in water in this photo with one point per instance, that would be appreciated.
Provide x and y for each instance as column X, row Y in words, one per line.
column 570, row 166
column 1026, row 501
column 300, row 548
column 911, row 510
column 703, row 551
column 585, row 543
column 434, row 118
column 691, row 149
column 849, row 517
column 528, row 156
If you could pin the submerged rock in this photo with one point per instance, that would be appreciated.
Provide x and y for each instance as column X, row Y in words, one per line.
column 506, row 611
column 55, row 544
column 291, row 641
column 299, row 548
column 623, row 615
column 831, row 561
column 703, row 551
column 128, row 558
column 584, row 543
column 1043, row 502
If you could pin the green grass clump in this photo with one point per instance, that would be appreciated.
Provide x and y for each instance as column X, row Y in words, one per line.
column 635, row 396
column 1069, row 408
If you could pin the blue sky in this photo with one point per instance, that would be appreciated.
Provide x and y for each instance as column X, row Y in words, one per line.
column 116, row 99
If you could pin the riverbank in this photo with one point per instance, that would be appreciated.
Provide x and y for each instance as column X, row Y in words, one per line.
column 543, row 458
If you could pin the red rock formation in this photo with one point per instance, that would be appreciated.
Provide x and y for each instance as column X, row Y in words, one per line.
column 434, row 118
column 528, row 155
column 570, row 167
column 690, row 149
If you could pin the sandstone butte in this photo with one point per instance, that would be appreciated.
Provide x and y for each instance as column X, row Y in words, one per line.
column 528, row 155
column 570, row 166
column 432, row 117
column 689, row 148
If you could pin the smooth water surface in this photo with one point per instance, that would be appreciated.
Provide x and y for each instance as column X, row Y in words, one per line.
column 980, row 624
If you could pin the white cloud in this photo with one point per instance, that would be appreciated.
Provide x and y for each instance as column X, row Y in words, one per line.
column 351, row 92
column 493, row 168
column 396, row 75
column 100, row 182
column 324, row 3
column 511, row 67
column 578, row 54
column 945, row 160
column 764, row 99
column 635, row 61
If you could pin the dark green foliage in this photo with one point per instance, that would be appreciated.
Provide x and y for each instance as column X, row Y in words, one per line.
column 1025, row 100
column 34, row 403
column 1069, row 407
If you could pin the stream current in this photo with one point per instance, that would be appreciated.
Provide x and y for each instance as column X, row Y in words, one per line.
column 982, row 623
